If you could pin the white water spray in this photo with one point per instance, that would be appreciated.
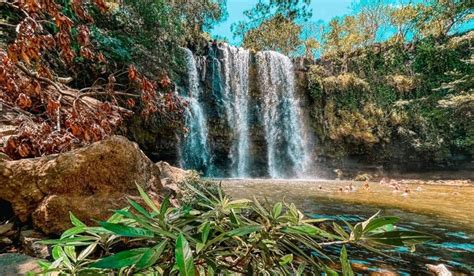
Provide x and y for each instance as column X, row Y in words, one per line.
column 287, row 152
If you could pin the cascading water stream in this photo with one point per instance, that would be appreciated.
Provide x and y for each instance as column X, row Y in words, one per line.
column 235, row 66
column 195, row 152
column 221, row 113
column 288, row 155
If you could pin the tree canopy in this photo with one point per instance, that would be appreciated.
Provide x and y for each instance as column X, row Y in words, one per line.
column 285, row 26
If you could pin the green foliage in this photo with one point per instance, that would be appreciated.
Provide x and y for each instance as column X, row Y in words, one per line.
column 147, row 32
column 388, row 102
column 275, row 25
column 220, row 235
column 427, row 19
column 277, row 34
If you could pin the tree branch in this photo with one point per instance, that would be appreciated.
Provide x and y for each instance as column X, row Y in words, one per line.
column 7, row 25
column 16, row 109
column 36, row 76
column 332, row 243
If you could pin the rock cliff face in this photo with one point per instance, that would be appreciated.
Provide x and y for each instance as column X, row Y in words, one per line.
column 368, row 115
column 88, row 182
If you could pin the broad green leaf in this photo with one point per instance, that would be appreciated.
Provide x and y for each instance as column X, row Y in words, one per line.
column 315, row 220
column 75, row 221
column 205, row 232
column 147, row 199
column 242, row 231
column 277, row 209
column 356, row 234
column 117, row 217
column 150, row 257
column 164, row 207
column 58, row 251
column 184, row 256
column 364, row 224
column 44, row 265
column 339, row 230
column 345, row 264
column 73, row 231
column 56, row 263
column 199, row 246
column 70, row 241
column 377, row 223
column 260, row 209
column 127, row 231
column 300, row 270
column 70, row 252
column 286, row 259
column 302, row 229
column 121, row 259
column 86, row 252
column 238, row 204
column 399, row 237
column 139, row 208
column 234, row 218
column 330, row 272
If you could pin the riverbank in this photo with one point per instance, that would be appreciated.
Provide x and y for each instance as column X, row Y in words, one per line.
column 447, row 199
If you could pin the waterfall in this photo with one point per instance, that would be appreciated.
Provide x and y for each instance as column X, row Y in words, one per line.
column 234, row 133
column 235, row 66
column 195, row 152
column 287, row 153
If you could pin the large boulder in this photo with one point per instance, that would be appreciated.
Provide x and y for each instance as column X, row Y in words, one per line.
column 90, row 182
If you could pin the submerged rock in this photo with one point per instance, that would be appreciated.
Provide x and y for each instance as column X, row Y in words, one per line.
column 439, row 270
column 90, row 182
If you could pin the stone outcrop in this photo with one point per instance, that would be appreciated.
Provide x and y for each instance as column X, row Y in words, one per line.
column 172, row 177
column 90, row 182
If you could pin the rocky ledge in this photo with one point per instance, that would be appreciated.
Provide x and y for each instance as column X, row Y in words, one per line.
column 89, row 182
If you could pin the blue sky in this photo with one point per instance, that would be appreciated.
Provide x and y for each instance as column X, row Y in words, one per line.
column 322, row 10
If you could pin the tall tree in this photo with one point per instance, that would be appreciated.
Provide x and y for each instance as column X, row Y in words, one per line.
column 438, row 17
column 200, row 15
column 403, row 17
column 371, row 17
column 277, row 33
column 272, row 19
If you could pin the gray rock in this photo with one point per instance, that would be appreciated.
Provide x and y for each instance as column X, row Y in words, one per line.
column 30, row 241
column 12, row 264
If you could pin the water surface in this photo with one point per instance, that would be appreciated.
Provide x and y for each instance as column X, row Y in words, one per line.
column 442, row 210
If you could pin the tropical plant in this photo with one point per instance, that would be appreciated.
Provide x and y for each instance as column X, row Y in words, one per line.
column 219, row 236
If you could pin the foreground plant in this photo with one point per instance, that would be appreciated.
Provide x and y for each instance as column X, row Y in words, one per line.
column 218, row 235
